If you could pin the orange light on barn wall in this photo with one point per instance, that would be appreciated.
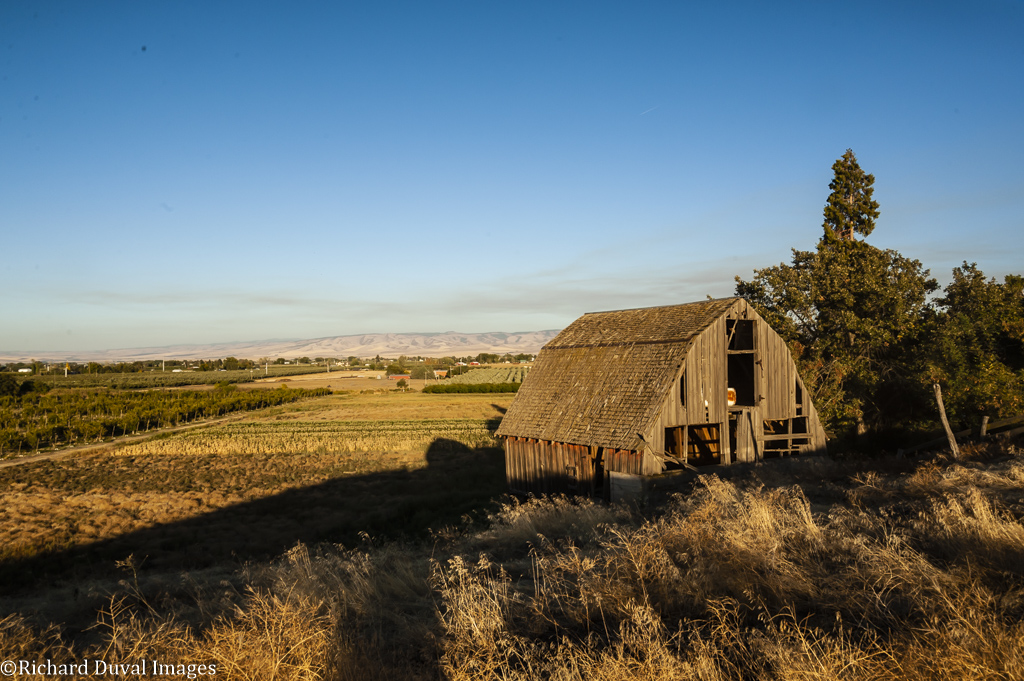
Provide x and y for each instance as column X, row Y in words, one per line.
column 731, row 396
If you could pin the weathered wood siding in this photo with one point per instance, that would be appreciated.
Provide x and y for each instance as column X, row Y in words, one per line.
column 748, row 432
column 705, row 376
column 778, row 373
column 543, row 467
column 672, row 411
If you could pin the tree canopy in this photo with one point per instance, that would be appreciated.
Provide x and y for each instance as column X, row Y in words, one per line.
column 979, row 344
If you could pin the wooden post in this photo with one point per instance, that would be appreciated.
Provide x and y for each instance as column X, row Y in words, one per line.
column 945, row 422
column 984, row 427
column 753, row 437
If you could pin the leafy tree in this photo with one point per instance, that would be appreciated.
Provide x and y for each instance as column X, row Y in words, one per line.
column 850, row 208
column 231, row 364
column 8, row 385
column 402, row 383
column 852, row 314
column 980, row 345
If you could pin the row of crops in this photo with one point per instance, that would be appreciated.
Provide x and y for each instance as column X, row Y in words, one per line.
column 512, row 374
column 41, row 421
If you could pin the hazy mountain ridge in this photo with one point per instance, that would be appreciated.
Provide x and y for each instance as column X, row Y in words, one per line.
column 449, row 343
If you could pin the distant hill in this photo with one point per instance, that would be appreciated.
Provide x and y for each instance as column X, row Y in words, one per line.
column 363, row 345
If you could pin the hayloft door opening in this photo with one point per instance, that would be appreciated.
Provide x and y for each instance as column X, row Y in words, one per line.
column 741, row 379
column 742, row 360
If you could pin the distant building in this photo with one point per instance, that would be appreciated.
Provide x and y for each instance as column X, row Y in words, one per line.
column 440, row 373
column 24, row 371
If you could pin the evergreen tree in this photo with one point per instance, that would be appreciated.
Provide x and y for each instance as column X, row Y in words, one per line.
column 853, row 314
column 850, row 208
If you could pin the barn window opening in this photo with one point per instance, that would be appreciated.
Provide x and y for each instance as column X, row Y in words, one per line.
column 784, row 437
column 776, row 448
column 740, row 334
column 675, row 447
column 703, row 445
column 675, row 442
column 682, row 388
column 741, row 378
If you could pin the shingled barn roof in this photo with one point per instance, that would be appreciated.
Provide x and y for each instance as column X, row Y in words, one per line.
column 603, row 379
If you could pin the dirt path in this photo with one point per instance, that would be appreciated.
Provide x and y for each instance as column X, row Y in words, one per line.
column 89, row 449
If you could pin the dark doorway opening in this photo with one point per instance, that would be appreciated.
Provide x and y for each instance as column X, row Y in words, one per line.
column 741, row 378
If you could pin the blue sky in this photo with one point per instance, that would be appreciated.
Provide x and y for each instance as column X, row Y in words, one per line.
column 216, row 171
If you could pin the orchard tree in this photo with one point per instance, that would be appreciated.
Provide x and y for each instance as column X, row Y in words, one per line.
column 853, row 315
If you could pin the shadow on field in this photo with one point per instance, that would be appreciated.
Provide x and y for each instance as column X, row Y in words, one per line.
column 404, row 503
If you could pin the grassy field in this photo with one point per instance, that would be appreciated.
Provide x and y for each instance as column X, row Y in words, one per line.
column 366, row 536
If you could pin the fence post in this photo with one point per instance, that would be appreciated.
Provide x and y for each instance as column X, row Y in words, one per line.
column 945, row 422
column 984, row 427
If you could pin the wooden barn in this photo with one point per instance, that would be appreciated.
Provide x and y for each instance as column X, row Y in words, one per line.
column 647, row 391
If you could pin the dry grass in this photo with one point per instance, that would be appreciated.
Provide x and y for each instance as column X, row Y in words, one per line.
column 744, row 581
column 913, row 570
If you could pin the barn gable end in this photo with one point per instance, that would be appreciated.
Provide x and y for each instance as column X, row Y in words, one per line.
column 640, row 392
